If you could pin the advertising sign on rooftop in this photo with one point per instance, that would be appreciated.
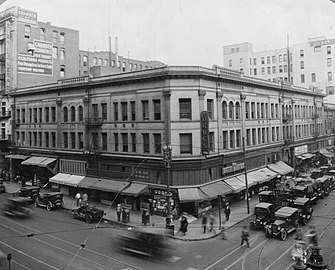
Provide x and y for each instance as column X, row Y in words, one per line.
column 26, row 16
column 39, row 62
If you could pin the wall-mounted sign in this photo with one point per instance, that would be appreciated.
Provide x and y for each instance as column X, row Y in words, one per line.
column 27, row 16
column 204, row 122
column 322, row 42
column 39, row 62
column 233, row 168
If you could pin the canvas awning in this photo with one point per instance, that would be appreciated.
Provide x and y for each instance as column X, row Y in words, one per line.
column 326, row 153
column 191, row 195
column 134, row 189
column 14, row 156
column 280, row 167
column 87, row 182
column 38, row 161
column 258, row 176
column 214, row 189
column 236, row 184
column 66, row 179
column 107, row 185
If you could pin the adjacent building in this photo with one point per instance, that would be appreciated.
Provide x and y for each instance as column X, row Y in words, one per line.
column 310, row 64
column 107, row 135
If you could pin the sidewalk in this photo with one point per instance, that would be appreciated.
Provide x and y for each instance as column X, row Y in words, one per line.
column 238, row 215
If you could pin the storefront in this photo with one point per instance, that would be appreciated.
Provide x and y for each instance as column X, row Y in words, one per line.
column 157, row 200
column 193, row 201
column 66, row 183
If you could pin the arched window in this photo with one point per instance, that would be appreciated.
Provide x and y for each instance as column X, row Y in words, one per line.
column 231, row 110
column 224, row 110
column 73, row 114
column 80, row 114
column 238, row 110
column 65, row 114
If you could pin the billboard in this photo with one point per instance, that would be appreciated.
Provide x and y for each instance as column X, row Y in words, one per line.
column 39, row 62
column 27, row 16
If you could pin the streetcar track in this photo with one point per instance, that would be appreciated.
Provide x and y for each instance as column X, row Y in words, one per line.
column 69, row 243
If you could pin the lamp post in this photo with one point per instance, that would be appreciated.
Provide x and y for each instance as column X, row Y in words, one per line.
column 246, row 176
column 167, row 150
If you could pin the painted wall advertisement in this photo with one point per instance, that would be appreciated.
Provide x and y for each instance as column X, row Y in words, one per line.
column 39, row 62
column 27, row 17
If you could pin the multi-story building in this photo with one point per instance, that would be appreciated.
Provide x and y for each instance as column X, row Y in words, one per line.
column 310, row 64
column 110, row 131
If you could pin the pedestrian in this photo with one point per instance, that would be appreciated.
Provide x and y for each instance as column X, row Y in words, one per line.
column 211, row 223
column 118, row 212
column 85, row 197
column 204, row 224
column 183, row 225
column 245, row 236
column 223, row 231
column 227, row 211
column 78, row 196
column 313, row 236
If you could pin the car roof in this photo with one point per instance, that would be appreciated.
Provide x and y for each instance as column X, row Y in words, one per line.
column 53, row 193
column 19, row 199
column 27, row 188
column 265, row 192
column 286, row 211
column 301, row 200
column 263, row 205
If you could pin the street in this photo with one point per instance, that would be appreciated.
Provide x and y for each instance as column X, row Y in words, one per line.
column 56, row 241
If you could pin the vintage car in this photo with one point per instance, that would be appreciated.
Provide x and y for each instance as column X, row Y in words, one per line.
column 149, row 242
column 275, row 197
column 17, row 207
column 324, row 186
column 50, row 201
column 287, row 221
column 2, row 186
column 307, row 190
column 88, row 213
column 265, row 214
column 28, row 192
column 305, row 209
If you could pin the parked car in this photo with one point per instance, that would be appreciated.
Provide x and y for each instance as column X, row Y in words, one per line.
column 50, row 201
column 28, row 192
column 305, row 209
column 287, row 221
column 307, row 190
column 17, row 207
column 2, row 186
column 265, row 214
column 324, row 186
column 275, row 197
column 88, row 213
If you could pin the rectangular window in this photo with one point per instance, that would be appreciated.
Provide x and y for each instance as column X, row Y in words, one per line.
column 211, row 141
column 116, row 141
column 133, row 142
column 65, row 140
column 146, row 146
column 116, row 111
column 46, row 136
column 273, row 59
column 104, row 141
column 185, row 143
column 253, row 110
column 73, row 140
column 253, row 136
column 330, row 76
column 269, row 70
column 23, row 115
column 317, row 49
column 80, row 140
column 40, row 115
column 232, row 139
column 262, row 60
column 124, row 111
column 329, row 62
column 53, row 114
column 145, row 109
column 35, row 115
column 40, row 139
column 302, row 64
column 185, row 111
column 62, row 38
column 47, row 114
column 225, row 139
column 280, row 58
column 302, row 53
column 255, row 71
column 268, row 60
column 210, row 108
column 302, row 78
column 285, row 57
column 263, row 71
column 255, row 61
column 35, row 138
column 124, row 142
column 280, row 69
column 53, row 139
column 247, row 110
column 54, row 36
column 157, row 109
column 133, row 110
column 274, row 69
column 54, row 52
column 329, row 50
column 27, row 31
column 158, row 143
column 313, row 78
column 104, row 111
column 238, row 138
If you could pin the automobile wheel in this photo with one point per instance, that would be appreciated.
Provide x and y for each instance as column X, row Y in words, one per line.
column 283, row 235
column 252, row 225
column 88, row 218
column 49, row 206
column 37, row 202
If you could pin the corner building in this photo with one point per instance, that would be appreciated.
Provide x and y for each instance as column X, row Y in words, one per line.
column 108, row 133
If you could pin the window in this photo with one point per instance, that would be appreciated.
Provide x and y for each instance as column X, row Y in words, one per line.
column 146, row 146
column 40, row 116
column 280, row 69
column 237, row 110
column 225, row 139
column 302, row 78
column 54, row 36
column 116, row 141
column 27, row 31
column 35, row 138
column 73, row 114
column 62, row 38
column 269, row 70
column 124, row 66
column 124, row 111
column 231, row 110
column 65, row 140
column 247, row 110
column 95, row 112
column 65, row 114
column 330, row 90
column 313, row 77
column 30, row 48
column 53, row 139
column 113, row 63
column 145, row 109
column 54, row 52
column 94, row 61
column 280, row 58
column 241, row 60
column 62, row 71
column 185, row 110
column 85, row 60
column 158, row 143
column 119, row 64
column 210, row 108
column 232, row 50
column 211, row 140
column 329, row 62
column 62, row 53
column 273, row 59
column 100, row 62
column 23, row 111
column 105, row 62
column 263, row 71
column 47, row 139
column 157, row 109
column 185, row 143
column 116, row 111
column 255, row 61
column 104, row 111
column 330, row 76
column 268, row 59
column 262, row 60
column 230, row 63
column 124, row 142
column 42, row 34
column 224, row 110
column 302, row 64
column 329, row 50
column 104, row 141
column 53, row 114
column 35, row 115
column 285, row 68
column 80, row 114
column 231, row 139
column 73, row 140
column 317, row 49
column 80, row 140
column 302, row 53
column 274, row 69
column 133, row 142
column 255, row 71
column 238, row 138
column 133, row 110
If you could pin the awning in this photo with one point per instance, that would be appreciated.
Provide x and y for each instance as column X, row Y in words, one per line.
column 213, row 190
column 107, row 185
column 66, row 179
column 191, row 195
column 260, row 176
column 134, row 189
column 280, row 167
column 326, row 153
column 13, row 156
column 308, row 155
column 38, row 161
column 236, row 184
column 87, row 182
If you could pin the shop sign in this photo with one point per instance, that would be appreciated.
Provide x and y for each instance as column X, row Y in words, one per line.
column 322, row 42
column 204, row 122
column 233, row 168
column 27, row 17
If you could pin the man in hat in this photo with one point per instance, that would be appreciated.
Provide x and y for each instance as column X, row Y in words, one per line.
column 118, row 212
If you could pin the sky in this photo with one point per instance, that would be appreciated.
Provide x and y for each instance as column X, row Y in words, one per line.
column 186, row 32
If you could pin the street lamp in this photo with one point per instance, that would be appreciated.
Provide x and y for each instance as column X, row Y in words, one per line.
column 167, row 150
